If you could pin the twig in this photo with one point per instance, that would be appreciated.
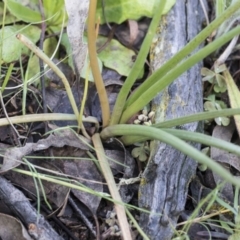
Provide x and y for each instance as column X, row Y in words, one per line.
column 41, row 67
column 54, row 67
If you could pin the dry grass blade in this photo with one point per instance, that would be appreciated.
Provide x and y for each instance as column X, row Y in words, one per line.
column 119, row 205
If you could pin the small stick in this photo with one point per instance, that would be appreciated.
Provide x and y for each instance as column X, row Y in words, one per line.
column 28, row 43
column 41, row 67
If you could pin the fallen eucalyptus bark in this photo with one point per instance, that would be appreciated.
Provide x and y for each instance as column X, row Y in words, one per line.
column 168, row 173
column 38, row 227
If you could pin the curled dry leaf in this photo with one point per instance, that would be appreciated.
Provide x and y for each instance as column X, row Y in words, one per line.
column 116, row 160
column 225, row 133
column 12, row 228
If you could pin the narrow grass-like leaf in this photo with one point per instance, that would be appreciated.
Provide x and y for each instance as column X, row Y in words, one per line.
column 136, row 225
column 152, row 90
column 177, row 58
column 205, row 201
column 219, row 7
column 6, row 79
column 163, row 136
column 197, row 117
column 226, row 205
column 202, row 138
column 138, row 65
column 128, row 140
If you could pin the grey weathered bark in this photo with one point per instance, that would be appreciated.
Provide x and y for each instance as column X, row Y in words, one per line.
column 169, row 172
column 38, row 227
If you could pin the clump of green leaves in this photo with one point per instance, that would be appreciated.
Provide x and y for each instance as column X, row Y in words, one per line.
column 215, row 78
column 212, row 104
column 141, row 152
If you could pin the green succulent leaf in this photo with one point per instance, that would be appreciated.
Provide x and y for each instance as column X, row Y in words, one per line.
column 215, row 78
column 219, row 68
column 213, row 105
column 9, row 18
column 87, row 73
column 119, row 11
column 28, row 11
column 55, row 13
column 222, row 121
column 11, row 47
column 65, row 42
column 219, row 89
column 207, row 72
column 141, row 152
column 116, row 56
column 209, row 106
column 220, row 81
column 24, row 11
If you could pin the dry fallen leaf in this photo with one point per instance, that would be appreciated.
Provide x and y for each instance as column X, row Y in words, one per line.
column 13, row 157
column 224, row 158
column 12, row 228
column 88, row 175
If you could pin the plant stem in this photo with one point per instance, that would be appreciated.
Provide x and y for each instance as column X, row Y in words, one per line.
column 45, row 117
column 103, row 98
column 138, row 65
column 120, row 209
column 163, row 136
